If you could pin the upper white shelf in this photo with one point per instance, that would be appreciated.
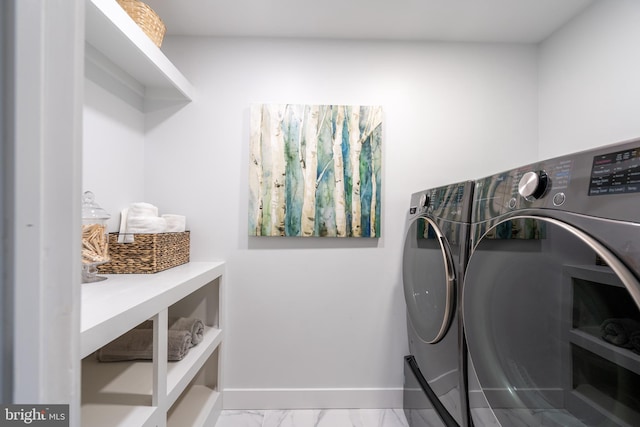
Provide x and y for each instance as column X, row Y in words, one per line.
column 118, row 49
column 114, row 306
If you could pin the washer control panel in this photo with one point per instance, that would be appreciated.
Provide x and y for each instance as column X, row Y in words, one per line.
column 450, row 202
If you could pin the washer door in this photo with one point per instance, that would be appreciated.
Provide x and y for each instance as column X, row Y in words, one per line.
column 553, row 334
column 429, row 280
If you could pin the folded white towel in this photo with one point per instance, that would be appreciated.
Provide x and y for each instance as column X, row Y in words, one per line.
column 175, row 223
column 148, row 224
column 142, row 209
column 142, row 218
column 122, row 237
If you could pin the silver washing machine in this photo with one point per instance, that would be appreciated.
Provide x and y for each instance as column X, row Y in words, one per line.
column 435, row 254
column 551, row 294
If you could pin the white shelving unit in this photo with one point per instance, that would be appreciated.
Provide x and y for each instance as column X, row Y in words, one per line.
column 121, row 57
column 126, row 63
column 145, row 393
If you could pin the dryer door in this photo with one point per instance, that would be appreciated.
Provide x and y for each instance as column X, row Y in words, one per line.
column 428, row 274
column 553, row 333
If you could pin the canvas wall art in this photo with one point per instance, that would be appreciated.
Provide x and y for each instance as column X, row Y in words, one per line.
column 315, row 170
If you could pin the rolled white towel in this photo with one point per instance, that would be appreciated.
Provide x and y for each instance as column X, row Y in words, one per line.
column 175, row 223
column 145, row 225
column 142, row 209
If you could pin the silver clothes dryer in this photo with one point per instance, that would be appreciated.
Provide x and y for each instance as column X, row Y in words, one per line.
column 434, row 257
column 551, row 294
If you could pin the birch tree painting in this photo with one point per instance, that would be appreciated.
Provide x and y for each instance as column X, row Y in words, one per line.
column 315, row 170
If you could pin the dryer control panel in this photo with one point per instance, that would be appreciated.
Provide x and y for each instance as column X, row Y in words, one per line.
column 571, row 183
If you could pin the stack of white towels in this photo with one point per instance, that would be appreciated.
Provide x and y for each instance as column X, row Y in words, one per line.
column 143, row 218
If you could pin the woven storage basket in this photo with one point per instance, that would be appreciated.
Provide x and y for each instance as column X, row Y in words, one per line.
column 148, row 253
column 146, row 19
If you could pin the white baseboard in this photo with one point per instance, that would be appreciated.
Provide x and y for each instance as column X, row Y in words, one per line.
column 312, row 398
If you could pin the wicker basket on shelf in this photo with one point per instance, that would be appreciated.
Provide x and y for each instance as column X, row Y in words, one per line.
column 148, row 253
column 146, row 19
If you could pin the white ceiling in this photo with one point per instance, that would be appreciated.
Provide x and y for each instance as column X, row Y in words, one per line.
column 511, row 21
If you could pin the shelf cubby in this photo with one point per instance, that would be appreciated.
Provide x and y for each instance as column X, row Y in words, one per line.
column 142, row 392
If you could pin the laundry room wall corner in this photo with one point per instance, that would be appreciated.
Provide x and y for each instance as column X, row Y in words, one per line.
column 589, row 86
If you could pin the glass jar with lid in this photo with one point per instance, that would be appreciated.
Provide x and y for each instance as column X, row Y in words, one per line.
column 95, row 249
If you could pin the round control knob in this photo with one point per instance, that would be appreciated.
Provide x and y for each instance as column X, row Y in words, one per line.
column 532, row 185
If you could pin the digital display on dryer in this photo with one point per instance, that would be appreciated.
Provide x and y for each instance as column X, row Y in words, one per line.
column 615, row 173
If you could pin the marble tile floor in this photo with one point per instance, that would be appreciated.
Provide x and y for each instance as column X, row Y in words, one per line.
column 314, row 418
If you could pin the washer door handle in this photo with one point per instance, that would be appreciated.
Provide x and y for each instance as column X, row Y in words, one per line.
column 429, row 279
column 448, row 261
column 450, row 286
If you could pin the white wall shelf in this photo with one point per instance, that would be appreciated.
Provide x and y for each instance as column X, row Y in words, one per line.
column 99, row 415
column 148, row 393
column 196, row 408
column 120, row 56
column 180, row 374
column 112, row 307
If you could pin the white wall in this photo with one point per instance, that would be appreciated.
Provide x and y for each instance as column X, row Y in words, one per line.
column 113, row 151
column 321, row 322
column 590, row 80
